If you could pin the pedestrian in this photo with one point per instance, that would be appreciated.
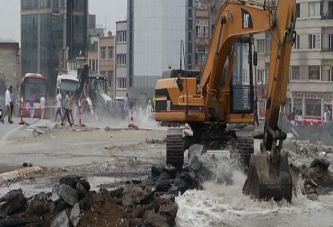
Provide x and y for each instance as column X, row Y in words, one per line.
column 8, row 100
column 11, row 105
column 255, row 113
column 42, row 106
column 291, row 116
column 31, row 105
column 58, row 103
column 67, row 110
column 71, row 107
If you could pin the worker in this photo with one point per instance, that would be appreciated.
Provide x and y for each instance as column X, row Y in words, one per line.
column 154, row 104
column 149, row 108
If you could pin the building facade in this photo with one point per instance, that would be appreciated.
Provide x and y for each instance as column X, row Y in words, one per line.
column 9, row 58
column 94, row 31
column 44, row 27
column 121, row 68
column 156, row 28
column 310, row 86
column 106, row 51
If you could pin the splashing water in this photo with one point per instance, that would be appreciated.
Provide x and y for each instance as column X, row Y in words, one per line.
column 225, row 205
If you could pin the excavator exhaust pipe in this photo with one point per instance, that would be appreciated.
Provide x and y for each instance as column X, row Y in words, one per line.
column 267, row 180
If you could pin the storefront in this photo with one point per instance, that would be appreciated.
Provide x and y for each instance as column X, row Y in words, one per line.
column 311, row 104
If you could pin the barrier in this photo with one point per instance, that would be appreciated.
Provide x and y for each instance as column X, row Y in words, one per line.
column 131, row 125
column 21, row 119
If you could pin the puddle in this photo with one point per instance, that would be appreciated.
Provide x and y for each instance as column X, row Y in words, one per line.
column 35, row 186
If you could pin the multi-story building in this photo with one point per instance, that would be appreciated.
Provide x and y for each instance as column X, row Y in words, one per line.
column 9, row 58
column 155, row 30
column 94, row 31
column 311, row 74
column 121, row 72
column 44, row 27
column 106, row 50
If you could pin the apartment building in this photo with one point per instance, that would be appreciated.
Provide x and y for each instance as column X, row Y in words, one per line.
column 310, row 86
column 121, row 68
column 106, row 51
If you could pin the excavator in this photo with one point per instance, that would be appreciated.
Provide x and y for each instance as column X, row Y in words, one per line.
column 224, row 95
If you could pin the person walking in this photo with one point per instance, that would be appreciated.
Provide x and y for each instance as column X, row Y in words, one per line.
column 58, row 105
column 71, row 107
column 42, row 106
column 11, row 105
column 67, row 109
column 7, row 106
column 32, row 107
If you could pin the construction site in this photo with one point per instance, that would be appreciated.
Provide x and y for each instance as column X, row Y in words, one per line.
column 198, row 155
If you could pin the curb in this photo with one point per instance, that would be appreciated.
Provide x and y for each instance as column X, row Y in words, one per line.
column 16, row 174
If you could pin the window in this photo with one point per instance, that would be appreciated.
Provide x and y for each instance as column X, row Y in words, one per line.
column 261, row 45
column 197, row 28
column 298, row 104
column 103, row 52
column 314, row 9
column 110, row 77
column 297, row 42
column 261, row 76
column 190, row 13
column 200, row 55
column 121, row 83
column 205, row 28
column 110, row 52
column 298, row 10
column 121, row 36
column 314, row 72
column 268, row 45
column 121, row 59
column 294, row 73
column 313, row 107
column 315, row 41
column 330, row 42
column 189, row 38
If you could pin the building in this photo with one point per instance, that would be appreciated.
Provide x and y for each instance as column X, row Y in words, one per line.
column 44, row 27
column 155, row 30
column 202, row 34
column 94, row 31
column 9, row 58
column 310, row 88
column 106, row 50
column 121, row 68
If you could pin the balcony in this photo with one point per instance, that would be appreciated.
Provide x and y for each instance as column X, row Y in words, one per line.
column 327, row 15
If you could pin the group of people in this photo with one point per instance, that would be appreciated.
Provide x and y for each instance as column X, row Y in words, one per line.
column 9, row 106
column 67, row 105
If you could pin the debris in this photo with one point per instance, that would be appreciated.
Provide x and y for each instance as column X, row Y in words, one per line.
column 61, row 220
column 75, row 215
column 155, row 141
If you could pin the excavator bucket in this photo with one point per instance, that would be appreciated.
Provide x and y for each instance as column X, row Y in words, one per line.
column 267, row 180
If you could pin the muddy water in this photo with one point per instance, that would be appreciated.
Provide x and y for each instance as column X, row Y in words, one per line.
column 220, row 205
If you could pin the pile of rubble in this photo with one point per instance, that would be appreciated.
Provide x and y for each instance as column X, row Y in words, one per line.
column 71, row 203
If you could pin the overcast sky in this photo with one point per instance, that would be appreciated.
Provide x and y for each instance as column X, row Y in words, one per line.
column 111, row 10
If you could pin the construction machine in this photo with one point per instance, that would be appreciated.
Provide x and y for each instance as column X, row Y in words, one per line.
column 224, row 94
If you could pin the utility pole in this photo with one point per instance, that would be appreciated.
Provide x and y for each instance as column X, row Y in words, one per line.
column 38, row 37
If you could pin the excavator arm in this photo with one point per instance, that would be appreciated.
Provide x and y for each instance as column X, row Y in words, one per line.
column 268, row 175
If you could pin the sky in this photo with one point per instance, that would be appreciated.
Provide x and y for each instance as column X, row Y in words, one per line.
column 108, row 11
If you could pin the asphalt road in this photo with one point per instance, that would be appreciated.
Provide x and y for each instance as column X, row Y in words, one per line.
column 6, row 128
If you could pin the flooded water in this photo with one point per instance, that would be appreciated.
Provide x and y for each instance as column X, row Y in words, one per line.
column 220, row 205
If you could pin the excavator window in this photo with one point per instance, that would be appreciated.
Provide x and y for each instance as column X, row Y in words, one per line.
column 242, row 92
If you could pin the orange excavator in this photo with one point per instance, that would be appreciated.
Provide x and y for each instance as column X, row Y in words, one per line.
column 223, row 94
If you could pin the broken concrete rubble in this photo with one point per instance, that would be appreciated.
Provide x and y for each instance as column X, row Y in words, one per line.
column 131, row 206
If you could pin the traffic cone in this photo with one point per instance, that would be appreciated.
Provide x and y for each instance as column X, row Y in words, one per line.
column 131, row 125
column 21, row 121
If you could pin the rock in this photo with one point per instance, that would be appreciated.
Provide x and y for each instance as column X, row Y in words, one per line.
column 163, row 186
column 156, row 171
column 85, row 184
column 38, row 205
column 171, row 170
column 60, row 205
column 195, row 164
column 117, row 192
column 107, row 128
column 61, row 220
column 86, row 202
column 68, row 194
column 81, row 191
column 13, row 202
column 170, row 212
column 196, row 150
column 323, row 163
column 155, row 220
column 164, row 176
column 55, row 197
column 75, row 215
column 133, row 196
column 70, row 180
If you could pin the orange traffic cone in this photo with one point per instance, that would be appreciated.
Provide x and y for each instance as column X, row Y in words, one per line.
column 131, row 125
